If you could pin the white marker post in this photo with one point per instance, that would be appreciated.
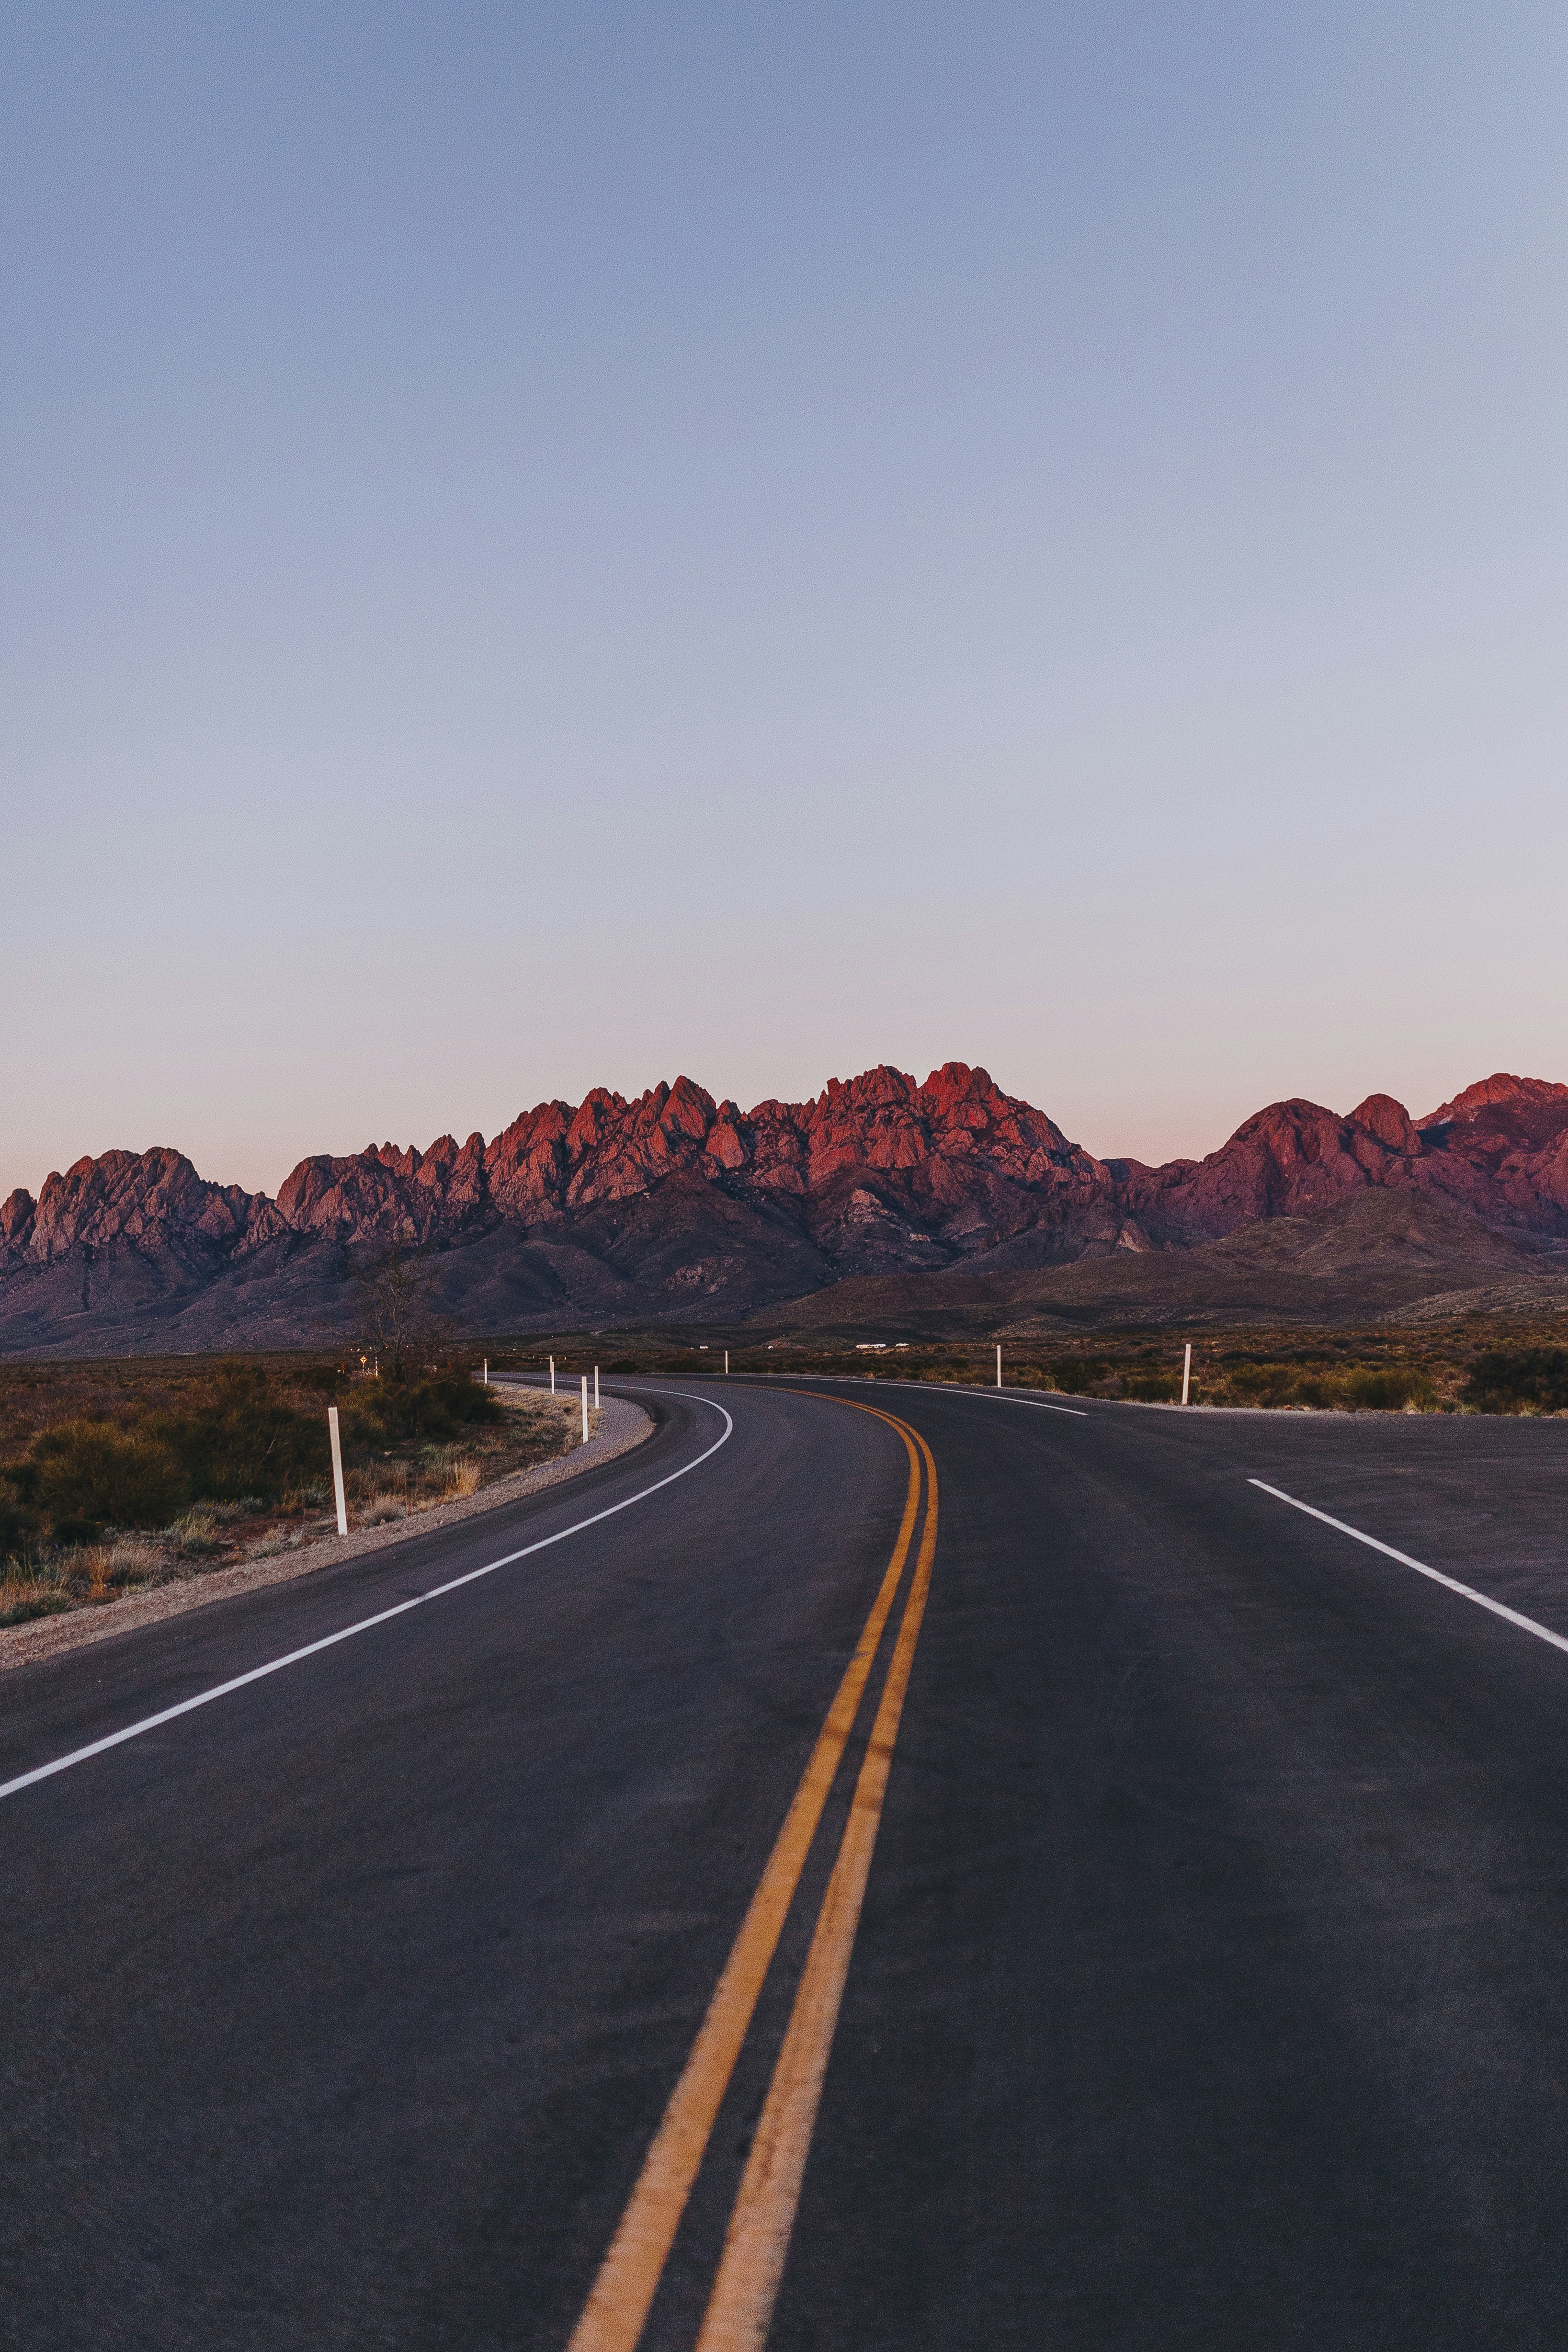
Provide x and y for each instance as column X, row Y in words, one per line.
column 998, row 1367
column 1187, row 1375
column 486, row 1371
column 553, row 1376
column 726, row 1363
column 595, row 1388
column 337, row 1470
column 584, row 1408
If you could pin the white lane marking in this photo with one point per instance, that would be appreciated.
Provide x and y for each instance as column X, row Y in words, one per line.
column 346, row 1632
column 1467, row 1592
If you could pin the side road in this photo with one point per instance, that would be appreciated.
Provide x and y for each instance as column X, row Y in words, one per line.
column 621, row 1426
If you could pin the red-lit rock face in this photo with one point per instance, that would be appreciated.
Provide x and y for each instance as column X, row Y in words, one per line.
column 553, row 1161
column 144, row 1198
column 1499, row 1149
column 1389, row 1121
column 877, row 1173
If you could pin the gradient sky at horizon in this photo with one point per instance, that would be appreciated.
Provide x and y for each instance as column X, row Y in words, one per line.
column 551, row 546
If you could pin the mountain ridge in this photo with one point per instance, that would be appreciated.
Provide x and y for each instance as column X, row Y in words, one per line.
column 674, row 1205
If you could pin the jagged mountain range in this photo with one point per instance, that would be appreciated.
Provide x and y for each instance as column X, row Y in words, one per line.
column 676, row 1207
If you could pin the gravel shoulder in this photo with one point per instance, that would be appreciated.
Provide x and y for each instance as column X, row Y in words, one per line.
column 620, row 1425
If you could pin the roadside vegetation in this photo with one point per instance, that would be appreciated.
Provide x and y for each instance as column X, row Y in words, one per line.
column 1519, row 1379
column 114, row 1475
column 1465, row 1367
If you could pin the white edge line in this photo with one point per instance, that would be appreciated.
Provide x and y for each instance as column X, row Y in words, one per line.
column 1468, row 1592
column 944, row 1387
column 346, row 1632
column 1009, row 1396
column 955, row 1388
column 1002, row 1396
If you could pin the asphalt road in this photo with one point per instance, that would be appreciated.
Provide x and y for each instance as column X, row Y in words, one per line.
column 1209, row 1988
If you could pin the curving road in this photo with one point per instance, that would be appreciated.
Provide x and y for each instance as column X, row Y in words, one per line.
column 1011, row 1879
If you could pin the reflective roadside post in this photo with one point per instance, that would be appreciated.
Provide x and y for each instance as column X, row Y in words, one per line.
column 584, row 1408
column 338, row 1495
column 998, row 1367
column 595, row 1388
column 1187, row 1374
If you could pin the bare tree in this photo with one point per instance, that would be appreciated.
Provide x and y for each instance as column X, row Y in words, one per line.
column 400, row 1320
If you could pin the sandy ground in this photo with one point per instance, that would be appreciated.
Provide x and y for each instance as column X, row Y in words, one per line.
column 621, row 1426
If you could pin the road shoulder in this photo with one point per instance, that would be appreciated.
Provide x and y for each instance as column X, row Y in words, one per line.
column 622, row 1425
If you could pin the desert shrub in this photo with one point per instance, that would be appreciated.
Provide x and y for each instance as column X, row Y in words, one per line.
column 1519, row 1379
column 195, row 1534
column 1152, row 1387
column 74, row 1528
column 239, row 1443
column 129, row 1562
column 1389, row 1388
column 1281, row 1385
column 19, row 1603
column 21, row 1480
column 244, row 1451
column 89, row 1473
column 377, row 1509
column 19, row 1524
column 1076, row 1375
column 1264, row 1384
column 391, row 1411
column 241, row 1440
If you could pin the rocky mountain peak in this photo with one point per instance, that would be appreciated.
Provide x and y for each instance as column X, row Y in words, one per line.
column 1500, row 1091
column 1389, row 1121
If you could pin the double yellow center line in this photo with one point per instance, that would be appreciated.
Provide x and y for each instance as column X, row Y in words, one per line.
column 751, row 2265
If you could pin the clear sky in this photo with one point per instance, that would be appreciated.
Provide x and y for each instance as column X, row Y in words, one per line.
column 553, row 545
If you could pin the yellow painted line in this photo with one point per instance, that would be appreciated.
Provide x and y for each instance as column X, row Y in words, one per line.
column 747, row 2284
column 616, row 2309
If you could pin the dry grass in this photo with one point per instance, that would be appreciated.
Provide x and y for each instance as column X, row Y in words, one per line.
column 408, row 1478
column 31, row 1593
column 82, row 1577
column 379, row 1511
column 270, row 1545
